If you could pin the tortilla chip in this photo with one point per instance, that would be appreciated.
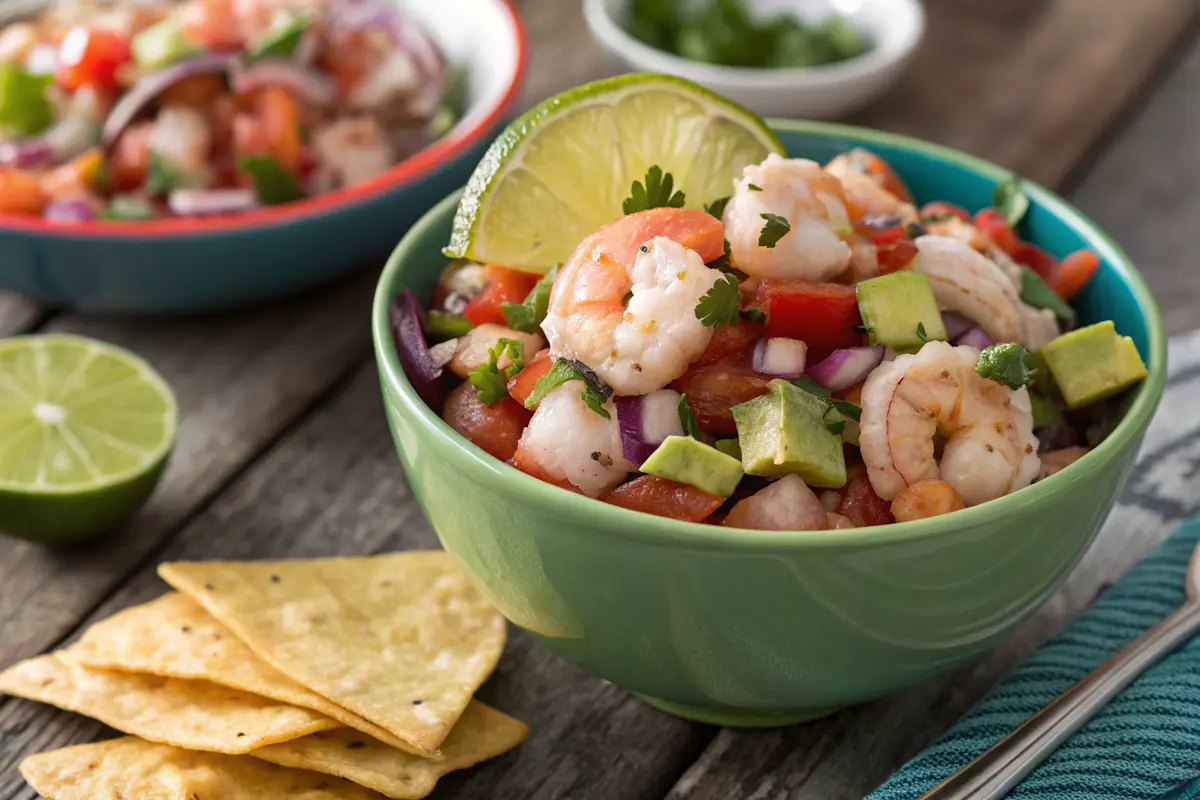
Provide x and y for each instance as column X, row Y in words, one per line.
column 191, row 714
column 481, row 733
column 402, row 639
column 176, row 638
column 120, row 769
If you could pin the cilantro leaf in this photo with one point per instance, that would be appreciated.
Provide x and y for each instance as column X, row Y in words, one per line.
column 756, row 315
column 1035, row 293
column 753, row 187
column 687, row 418
column 528, row 315
column 921, row 334
column 444, row 325
column 161, row 175
column 1008, row 364
column 913, row 231
column 655, row 193
column 717, row 209
column 809, row 385
column 720, row 304
column 866, row 327
column 127, row 208
column 489, row 379
column 776, row 228
column 841, row 407
column 833, row 421
column 1010, row 200
column 24, row 108
column 281, row 42
column 851, row 410
column 274, row 184
column 595, row 393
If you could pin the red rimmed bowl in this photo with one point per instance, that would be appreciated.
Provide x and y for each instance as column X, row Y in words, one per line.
column 184, row 265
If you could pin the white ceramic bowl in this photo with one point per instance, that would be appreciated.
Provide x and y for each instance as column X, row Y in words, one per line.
column 893, row 27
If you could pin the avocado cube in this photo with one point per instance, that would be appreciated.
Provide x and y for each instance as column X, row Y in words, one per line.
column 785, row 432
column 684, row 459
column 161, row 44
column 898, row 308
column 1093, row 363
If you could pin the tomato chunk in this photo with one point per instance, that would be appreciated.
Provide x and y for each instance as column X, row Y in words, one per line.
column 520, row 386
column 993, row 223
column 1036, row 259
column 729, row 339
column 819, row 314
column 534, row 470
column 504, row 286
column 1074, row 272
column 714, row 389
column 665, row 498
column 895, row 257
column 860, row 504
column 495, row 427
column 91, row 57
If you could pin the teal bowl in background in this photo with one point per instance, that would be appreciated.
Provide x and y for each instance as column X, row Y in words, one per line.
column 758, row 628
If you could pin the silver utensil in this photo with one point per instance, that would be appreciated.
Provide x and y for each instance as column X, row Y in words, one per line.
column 1006, row 763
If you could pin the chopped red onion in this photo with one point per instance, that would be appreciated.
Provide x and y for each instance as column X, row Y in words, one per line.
column 27, row 154
column 783, row 358
column 442, row 352
column 975, row 338
column 847, row 367
column 151, row 86
column 956, row 325
column 646, row 421
column 426, row 376
column 211, row 202
column 69, row 211
column 311, row 86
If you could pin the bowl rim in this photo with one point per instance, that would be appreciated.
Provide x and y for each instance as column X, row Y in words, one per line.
column 651, row 59
column 476, row 465
column 424, row 161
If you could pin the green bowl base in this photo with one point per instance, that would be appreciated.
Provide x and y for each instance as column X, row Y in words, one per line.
column 736, row 717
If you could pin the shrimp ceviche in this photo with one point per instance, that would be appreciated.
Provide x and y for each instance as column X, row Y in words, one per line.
column 814, row 351
column 135, row 110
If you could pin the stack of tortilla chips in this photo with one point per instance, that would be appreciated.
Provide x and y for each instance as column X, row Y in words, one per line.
column 328, row 678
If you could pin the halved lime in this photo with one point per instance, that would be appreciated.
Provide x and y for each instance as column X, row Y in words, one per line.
column 564, row 168
column 85, row 432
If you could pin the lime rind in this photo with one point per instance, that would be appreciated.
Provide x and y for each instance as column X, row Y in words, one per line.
column 640, row 120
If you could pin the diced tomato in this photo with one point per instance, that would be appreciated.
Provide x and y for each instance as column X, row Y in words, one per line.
column 993, row 223
column 520, row 386
column 860, row 504
column 714, row 389
column 494, row 427
column 940, row 209
column 211, row 23
column 729, row 339
column 534, row 470
column 21, row 193
column 504, row 286
column 882, row 231
column 1074, row 272
column 130, row 158
column 882, row 171
column 1036, row 259
column 91, row 57
column 820, row 314
column 665, row 498
column 895, row 257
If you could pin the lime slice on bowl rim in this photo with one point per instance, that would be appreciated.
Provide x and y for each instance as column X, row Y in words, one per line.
column 86, row 429
column 564, row 168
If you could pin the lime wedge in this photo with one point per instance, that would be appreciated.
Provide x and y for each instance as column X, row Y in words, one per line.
column 85, row 432
column 564, row 168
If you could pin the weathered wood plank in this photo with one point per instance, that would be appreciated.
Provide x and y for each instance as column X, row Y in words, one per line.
column 240, row 380
column 16, row 314
column 1143, row 190
column 846, row 756
column 334, row 486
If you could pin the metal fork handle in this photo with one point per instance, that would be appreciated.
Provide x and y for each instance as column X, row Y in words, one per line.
column 1006, row 763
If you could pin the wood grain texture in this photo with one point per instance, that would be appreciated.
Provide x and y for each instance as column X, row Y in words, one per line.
column 240, row 379
column 333, row 485
column 846, row 756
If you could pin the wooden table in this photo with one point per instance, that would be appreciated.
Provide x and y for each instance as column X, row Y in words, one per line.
column 283, row 449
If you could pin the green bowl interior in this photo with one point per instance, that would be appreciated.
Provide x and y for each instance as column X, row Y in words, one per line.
column 932, row 172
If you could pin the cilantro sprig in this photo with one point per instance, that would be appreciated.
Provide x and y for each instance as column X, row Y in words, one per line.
column 1010, row 200
column 687, row 418
column 528, row 315
column 273, row 183
column 717, row 208
column 776, row 228
column 161, row 175
column 756, row 315
column 1037, row 294
column 1010, row 364
column 656, row 192
column 595, row 394
column 836, row 408
column 720, row 304
column 921, row 334
column 489, row 379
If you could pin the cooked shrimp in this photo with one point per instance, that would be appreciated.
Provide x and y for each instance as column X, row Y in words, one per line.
column 641, row 345
column 867, row 193
column 183, row 137
column 925, row 499
column 814, row 205
column 567, row 441
column 354, row 149
column 970, row 284
column 912, row 402
column 954, row 228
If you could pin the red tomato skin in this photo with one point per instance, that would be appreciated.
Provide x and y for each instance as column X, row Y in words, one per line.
column 520, row 386
column 714, row 389
column 534, row 470
column 993, row 223
column 860, row 504
column 819, row 314
column 504, row 286
column 1074, row 272
column 895, row 257
column 91, row 57
column 495, row 427
column 938, row 208
column 729, row 339
column 665, row 498
column 888, row 178
column 1037, row 259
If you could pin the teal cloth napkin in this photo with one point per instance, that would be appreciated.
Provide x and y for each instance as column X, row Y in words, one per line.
column 1145, row 744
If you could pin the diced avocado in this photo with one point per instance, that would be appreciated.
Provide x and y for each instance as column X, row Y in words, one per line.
column 161, row 44
column 786, row 432
column 1092, row 363
column 729, row 447
column 899, row 310
column 684, row 459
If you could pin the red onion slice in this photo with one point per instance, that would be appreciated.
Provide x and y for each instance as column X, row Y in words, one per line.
column 309, row 85
column 211, row 202
column 69, row 212
column 646, row 421
column 782, row 358
column 847, row 367
column 975, row 338
column 426, row 376
column 956, row 325
column 151, row 86
column 27, row 154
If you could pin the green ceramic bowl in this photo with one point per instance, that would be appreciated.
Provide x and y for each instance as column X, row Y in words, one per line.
column 765, row 628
